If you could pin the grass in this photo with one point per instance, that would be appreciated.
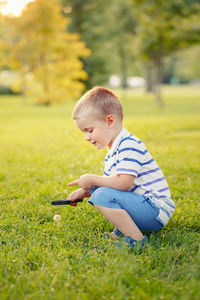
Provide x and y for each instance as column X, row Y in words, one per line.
column 40, row 151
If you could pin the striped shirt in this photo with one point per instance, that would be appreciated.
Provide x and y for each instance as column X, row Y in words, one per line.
column 128, row 155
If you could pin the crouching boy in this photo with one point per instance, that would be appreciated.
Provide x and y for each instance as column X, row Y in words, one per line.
column 133, row 193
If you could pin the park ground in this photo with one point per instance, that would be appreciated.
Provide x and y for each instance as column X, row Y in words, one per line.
column 41, row 151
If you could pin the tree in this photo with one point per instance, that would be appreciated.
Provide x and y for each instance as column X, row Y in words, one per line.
column 186, row 65
column 107, row 28
column 163, row 28
column 88, row 21
column 47, row 56
column 121, row 35
column 3, row 41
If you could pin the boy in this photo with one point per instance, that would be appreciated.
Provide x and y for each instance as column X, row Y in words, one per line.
column 133, row 193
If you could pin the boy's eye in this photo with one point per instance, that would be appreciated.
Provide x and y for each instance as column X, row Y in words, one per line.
column 89, row 130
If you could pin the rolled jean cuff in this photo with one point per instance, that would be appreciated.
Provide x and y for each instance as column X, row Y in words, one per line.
column 93, row 188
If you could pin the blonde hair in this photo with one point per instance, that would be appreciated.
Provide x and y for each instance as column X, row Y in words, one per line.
column 100, row 102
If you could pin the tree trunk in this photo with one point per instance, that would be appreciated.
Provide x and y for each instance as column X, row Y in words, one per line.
column 149, row 78
column 158, row 79
column 123, row 57
column 46, row 99
column 24, row 85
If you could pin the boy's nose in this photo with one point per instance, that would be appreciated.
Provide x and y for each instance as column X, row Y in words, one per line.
column 87, row 137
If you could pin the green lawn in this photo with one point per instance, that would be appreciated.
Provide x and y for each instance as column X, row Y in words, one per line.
column 41, row 150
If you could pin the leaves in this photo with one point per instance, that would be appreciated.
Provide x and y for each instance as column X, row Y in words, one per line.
column 41, row 46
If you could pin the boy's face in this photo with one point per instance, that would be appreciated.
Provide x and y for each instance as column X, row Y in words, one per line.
column 99, row 133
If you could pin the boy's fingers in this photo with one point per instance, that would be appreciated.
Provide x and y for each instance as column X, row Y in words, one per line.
column 73, row 182
column 74, row 204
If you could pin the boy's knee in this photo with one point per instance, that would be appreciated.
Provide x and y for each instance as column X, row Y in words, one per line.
column 104, row 192
column 104, row 197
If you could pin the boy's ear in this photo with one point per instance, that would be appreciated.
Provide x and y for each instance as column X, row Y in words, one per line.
column 110, row 120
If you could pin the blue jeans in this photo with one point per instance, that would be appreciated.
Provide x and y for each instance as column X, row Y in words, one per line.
column 140, row 208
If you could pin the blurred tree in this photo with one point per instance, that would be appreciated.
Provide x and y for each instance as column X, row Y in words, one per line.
column 187, row 64
column 89, row 21
column 121, row 35
column 165, row 27
column 3, row 42
column 107, row 27
column 46, row 55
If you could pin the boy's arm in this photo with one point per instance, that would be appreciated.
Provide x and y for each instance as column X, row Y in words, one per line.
column 121, row 182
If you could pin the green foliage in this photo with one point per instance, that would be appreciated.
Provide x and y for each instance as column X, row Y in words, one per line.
column 47, row 56
column 165, row 27
column 107, row 27
column 41, row 150
column 121, row 37
column 88, row 19
column 3, row 41
column 125, row 37
column 186, row 65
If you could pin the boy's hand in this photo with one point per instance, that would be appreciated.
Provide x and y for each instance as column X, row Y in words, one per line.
column 78, row 194
column 85, row 181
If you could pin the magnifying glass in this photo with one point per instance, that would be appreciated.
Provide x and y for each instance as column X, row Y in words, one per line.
column 65, row 202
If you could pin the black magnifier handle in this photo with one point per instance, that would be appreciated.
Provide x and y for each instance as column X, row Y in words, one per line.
column 65, row 202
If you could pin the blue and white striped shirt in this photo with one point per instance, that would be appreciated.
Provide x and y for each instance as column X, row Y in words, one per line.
column 128, row 155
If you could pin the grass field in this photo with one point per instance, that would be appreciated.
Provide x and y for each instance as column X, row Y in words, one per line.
column 41, row 150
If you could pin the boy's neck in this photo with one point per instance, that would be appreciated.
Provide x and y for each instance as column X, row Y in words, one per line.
column 116, row 131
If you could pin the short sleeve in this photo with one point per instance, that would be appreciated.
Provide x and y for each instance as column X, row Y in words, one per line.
column 131, row 155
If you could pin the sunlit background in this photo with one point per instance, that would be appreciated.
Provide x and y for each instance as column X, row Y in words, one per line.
column 13, row 7
column 54, row 50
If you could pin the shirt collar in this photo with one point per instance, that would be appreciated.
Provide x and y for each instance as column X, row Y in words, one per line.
column 116, row 141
